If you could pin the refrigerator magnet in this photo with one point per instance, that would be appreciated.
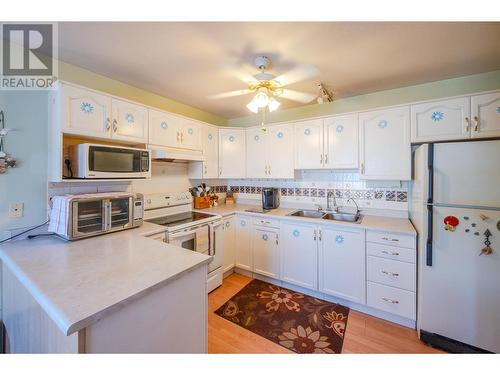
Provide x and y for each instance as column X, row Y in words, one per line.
column 450, row 223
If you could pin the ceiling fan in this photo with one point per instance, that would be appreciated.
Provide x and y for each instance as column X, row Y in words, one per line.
column 267, row 87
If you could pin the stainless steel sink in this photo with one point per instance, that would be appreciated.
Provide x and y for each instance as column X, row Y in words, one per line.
column 351, row 218
column 308, row 213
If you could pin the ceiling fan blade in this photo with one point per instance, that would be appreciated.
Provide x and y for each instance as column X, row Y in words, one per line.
column 230, row 94
column 300, row 73
column 297, row 96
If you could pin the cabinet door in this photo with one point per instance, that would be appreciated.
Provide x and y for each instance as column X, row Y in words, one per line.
column 228, row 233
column 164, row 129
column 243, row 252
column 85, row 112
column 280, row 151
column 341, row 142
column 211, row 152
column 232, row 153
column 385, row 144
column 299, row 259
column 130, row 121
column 265, row 250
column 486, row 115
column 256, row 158
column 190, row 135
column 440, row 120
column 342, row 263
column 308, row 136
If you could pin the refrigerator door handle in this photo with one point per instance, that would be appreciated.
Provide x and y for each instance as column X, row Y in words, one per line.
column 430, row 200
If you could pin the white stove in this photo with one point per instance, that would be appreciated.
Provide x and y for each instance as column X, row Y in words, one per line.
column 187, row 228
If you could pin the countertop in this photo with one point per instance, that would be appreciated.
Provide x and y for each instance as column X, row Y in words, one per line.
column 371, row 222
column 78, row 282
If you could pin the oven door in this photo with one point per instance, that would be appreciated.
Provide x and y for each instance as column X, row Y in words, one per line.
column 117, row 162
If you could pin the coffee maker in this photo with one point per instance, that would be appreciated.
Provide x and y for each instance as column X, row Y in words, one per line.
column 270, row 198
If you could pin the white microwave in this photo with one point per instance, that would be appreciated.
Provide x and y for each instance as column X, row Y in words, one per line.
column 88, row 160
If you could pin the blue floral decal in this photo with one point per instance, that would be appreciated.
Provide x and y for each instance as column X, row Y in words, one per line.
column 87, row 108
column 339, row 239
column 243, row 223
column 295, row 233
column 130, row 118
column 256, row 137
column 382, row 124
column 190, row 131
column 437, row 116
column 307, row 131
column 210, row 136
column 163, row 125
column 231, row 139
column 280, row 135
column 265, row 237
column 339, row 128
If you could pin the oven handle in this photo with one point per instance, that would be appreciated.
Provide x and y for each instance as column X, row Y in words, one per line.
column 181, row 234
column 211, row 244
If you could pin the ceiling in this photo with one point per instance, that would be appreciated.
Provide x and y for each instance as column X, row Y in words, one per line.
column 188, row 62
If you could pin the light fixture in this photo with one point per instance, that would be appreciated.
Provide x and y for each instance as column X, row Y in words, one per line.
column 273, row 105
column 262, row 100
column 253, row 107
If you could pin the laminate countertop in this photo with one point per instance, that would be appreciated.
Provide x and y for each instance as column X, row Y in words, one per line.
column 78, row 282
column 370, row 222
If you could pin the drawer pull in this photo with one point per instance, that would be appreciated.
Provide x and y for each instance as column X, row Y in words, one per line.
column 390, row 239
column 265, row 222
column 390, row 300
column 388, row 253
column 390, row 273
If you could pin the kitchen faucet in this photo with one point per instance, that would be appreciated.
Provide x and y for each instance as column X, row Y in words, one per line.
column 331, row 194
column 357, row 208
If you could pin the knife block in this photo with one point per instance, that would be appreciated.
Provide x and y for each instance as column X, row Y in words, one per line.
column 201, row 202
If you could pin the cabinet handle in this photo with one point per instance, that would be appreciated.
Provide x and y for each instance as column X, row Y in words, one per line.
column 269, row 169
column 476, row 123
column 108, row 123
column 315, row 235
column 205, row 169
column 321, row 159
column 265, row 170
column 115, row 125
column 388, row 253
column 178, row 140
column 362, row 168
column 220, row 171
column 320, row 234
column 326, row 158
column 389, row 300
column 390, row 273
column 182, row 137
column 390, row 239
column 467, row 123
column 265, row 222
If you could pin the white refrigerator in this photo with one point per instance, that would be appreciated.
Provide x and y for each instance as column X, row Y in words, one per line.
column 459, row 290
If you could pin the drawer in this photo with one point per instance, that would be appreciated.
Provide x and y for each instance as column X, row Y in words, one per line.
column 393, row 239
column 266, row 222
column 391, row 252
column 393, row 300
column 391, row 272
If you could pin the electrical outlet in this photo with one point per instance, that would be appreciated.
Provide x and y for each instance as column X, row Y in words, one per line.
column 16, row 210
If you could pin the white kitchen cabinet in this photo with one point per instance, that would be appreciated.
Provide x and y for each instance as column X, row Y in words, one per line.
column 342, row 263
column 209, row 168
column 385, row 151
column 168, row 130
column 85, row 112
column 485, row 115
column 299, row 254
column 341, row 142
column 232, row 153
column 190, row 135
column 308, row 139
column 440, row 120
column 243, row 252
column 265, row 250
column 270, row 154
column 130, row 121
column 228, row 232
column 256, row 153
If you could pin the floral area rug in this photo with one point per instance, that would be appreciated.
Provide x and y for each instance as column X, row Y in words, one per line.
column 293, row 320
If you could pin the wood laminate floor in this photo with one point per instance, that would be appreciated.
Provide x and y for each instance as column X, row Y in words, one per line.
column 364, row 333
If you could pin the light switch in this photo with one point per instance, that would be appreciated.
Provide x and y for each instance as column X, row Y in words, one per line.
column 16, row 210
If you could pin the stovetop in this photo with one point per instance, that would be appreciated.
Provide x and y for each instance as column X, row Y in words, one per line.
column 180, row 218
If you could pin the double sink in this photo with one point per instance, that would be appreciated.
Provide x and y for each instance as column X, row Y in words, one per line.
column 325, row 215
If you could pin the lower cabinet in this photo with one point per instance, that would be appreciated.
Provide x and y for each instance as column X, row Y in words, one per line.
column 265, row 250
column 342, row 263
column 228, row 232
column 299, row 248
column 243, row 250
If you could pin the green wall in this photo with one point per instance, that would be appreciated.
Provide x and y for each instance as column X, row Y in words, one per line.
column 426, row 91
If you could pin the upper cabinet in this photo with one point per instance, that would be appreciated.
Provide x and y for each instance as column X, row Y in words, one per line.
column 440, row 120
column 209, row 168
column 232, row 152
column 92, row 114
column 341, row 142
column 385, row 150
column 485, row 115
column 330, row 143
column 166, row 129
column 270, row 153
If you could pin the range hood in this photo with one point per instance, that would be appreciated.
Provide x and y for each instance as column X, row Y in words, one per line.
column 159, row 153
